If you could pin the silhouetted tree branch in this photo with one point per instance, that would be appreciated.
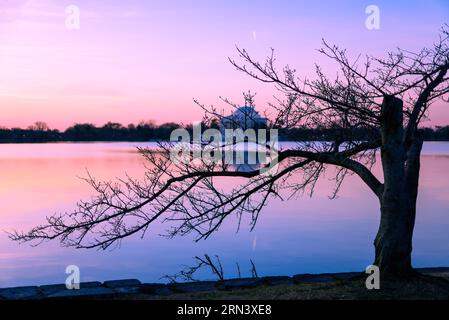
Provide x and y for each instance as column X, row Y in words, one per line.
column 389, row 97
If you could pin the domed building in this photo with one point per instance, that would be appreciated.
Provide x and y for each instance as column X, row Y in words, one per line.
column 243, row 118
column 246, row 151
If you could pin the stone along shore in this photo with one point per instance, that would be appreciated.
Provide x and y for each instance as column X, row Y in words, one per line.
column 129, row 287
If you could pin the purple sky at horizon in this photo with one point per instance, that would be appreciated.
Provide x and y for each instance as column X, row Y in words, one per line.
column 136, row 60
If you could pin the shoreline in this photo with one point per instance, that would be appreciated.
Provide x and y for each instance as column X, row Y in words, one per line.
column 135, row 289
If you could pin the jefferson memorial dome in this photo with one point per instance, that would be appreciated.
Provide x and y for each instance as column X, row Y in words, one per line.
column 243, row 118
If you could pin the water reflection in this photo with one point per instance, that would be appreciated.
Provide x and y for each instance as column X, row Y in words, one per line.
column 302, row 235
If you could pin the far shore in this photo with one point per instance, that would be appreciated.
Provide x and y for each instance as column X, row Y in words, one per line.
column 40, row 132
column 146, row 141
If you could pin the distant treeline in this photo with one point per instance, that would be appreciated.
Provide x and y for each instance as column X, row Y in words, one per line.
column 40, row 132
column 149, row 131
column 329, row 134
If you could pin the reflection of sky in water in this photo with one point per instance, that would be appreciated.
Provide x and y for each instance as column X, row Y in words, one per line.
column 302, row 235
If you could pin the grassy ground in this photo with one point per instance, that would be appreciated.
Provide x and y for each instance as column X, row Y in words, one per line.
column 352, row 289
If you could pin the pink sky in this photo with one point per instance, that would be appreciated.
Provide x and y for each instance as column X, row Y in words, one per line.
column 132, row 61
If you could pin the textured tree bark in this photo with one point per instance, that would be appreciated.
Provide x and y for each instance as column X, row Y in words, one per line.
column 393, row 243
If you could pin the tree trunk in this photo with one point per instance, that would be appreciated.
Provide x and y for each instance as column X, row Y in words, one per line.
column 393, row 243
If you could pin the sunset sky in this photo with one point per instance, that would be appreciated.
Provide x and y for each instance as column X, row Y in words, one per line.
column 147, row 60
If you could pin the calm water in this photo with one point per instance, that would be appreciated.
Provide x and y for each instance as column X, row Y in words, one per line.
column 298, row 236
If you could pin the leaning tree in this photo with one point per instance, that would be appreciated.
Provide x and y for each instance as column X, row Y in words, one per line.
column 387, row 98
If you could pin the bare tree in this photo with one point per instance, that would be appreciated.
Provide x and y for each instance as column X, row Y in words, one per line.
column 389, row 96
column 39, row 126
